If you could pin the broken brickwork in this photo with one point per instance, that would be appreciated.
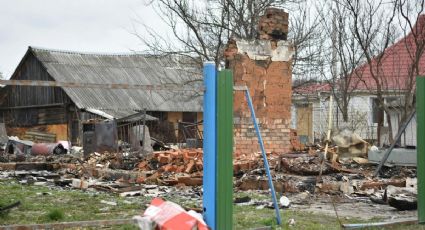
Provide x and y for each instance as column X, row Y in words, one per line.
column 273, row 25
column 264, row 65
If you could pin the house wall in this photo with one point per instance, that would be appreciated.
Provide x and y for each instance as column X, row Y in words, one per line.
column 359, row 119
column 269, row 81
column 304, row 119
column 359, row 114
column 175, row 117
column 408, row 138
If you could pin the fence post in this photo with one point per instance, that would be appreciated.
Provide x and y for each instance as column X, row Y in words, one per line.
column 209, row 145
column 420, row 140
column 224, row 180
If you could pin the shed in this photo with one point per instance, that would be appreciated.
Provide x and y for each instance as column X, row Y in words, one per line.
column 61, row 110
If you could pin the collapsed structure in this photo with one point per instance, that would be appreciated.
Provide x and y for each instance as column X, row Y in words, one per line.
column 264, row 65
column 62, row 111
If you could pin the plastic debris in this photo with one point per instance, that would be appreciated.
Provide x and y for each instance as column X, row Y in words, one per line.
column 166, row 215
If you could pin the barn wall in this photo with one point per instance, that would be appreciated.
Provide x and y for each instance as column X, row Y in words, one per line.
column 32, row 69
column 24, row 106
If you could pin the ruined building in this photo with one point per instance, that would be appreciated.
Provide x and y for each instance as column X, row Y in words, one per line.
column 264, row 65
column 62, row 111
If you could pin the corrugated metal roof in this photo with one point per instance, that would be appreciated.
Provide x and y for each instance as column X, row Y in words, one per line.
column 122, row 115
column 71, row 67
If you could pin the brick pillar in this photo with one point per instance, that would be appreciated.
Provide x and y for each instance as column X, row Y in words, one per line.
column 264, row 65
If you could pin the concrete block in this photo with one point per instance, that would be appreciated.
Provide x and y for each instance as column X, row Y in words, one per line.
column 81, row 184
column 398, row 156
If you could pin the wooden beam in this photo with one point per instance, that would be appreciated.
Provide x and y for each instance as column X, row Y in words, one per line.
column 34, row 106
column 174, row 87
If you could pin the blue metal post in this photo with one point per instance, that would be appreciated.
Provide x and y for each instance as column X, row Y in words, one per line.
column 209, row 145
column 263, row 152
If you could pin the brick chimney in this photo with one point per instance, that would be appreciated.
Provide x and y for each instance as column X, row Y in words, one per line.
column 264, row 65
column 273, row 25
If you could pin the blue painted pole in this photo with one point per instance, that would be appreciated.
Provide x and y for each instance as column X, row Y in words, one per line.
column 263, row 152
column 209, row 145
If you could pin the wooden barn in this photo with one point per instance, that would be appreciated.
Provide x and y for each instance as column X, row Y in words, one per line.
column 63, row 110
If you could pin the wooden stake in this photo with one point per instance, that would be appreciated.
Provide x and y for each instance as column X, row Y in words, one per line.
column 328, row 136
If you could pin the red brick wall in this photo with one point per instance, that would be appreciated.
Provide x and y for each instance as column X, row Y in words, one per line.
column 269, row 83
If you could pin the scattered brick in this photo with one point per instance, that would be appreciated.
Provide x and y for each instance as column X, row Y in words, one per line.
column 185, row 166
column 140, row 180
column 192, row 154
column 153, row 178
column 169, row 168
column 199, row 165
column 190, row 166
column 164, row 159
column 189, row 181
column 142, row 165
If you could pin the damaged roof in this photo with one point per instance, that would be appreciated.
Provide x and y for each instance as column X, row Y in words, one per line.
column 132, row 68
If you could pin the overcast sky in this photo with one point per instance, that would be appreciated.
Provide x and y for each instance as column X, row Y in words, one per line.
column 80, row 25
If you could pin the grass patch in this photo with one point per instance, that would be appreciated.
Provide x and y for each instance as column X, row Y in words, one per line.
column 76, row 205
column 248, row 217
column 55, row 215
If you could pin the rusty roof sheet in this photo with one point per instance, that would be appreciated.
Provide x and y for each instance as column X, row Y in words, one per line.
column 132, row 68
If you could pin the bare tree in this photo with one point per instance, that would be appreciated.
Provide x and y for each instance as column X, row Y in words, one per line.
column 201, row 29
column 374, row 28
column 342, row 54
column 307, row 37
column 412, row 24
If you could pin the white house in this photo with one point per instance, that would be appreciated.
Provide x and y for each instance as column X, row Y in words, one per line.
column 310, row 103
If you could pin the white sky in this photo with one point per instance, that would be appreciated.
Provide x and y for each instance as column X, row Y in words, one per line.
column 79, row 25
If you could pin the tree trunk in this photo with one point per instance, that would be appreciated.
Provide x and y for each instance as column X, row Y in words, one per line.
column 345, row 111
column 380, row 125
column 390, row 127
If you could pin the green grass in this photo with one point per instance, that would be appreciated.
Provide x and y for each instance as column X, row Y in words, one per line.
column 246, row 217
column 55, row 214
column 41, row 204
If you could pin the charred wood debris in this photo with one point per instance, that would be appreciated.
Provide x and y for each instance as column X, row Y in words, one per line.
column 172, row 169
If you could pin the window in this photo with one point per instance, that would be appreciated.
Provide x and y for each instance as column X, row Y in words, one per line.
column 377, row 113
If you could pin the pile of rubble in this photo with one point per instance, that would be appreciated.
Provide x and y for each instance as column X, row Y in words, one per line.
column 296, row 172
column 172, row 167
column 176, row 160
column 185, row 166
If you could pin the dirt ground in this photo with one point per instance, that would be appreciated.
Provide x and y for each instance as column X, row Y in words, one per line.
column 358, row 210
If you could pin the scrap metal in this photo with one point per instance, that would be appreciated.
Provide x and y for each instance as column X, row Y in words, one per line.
column 47, row 149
